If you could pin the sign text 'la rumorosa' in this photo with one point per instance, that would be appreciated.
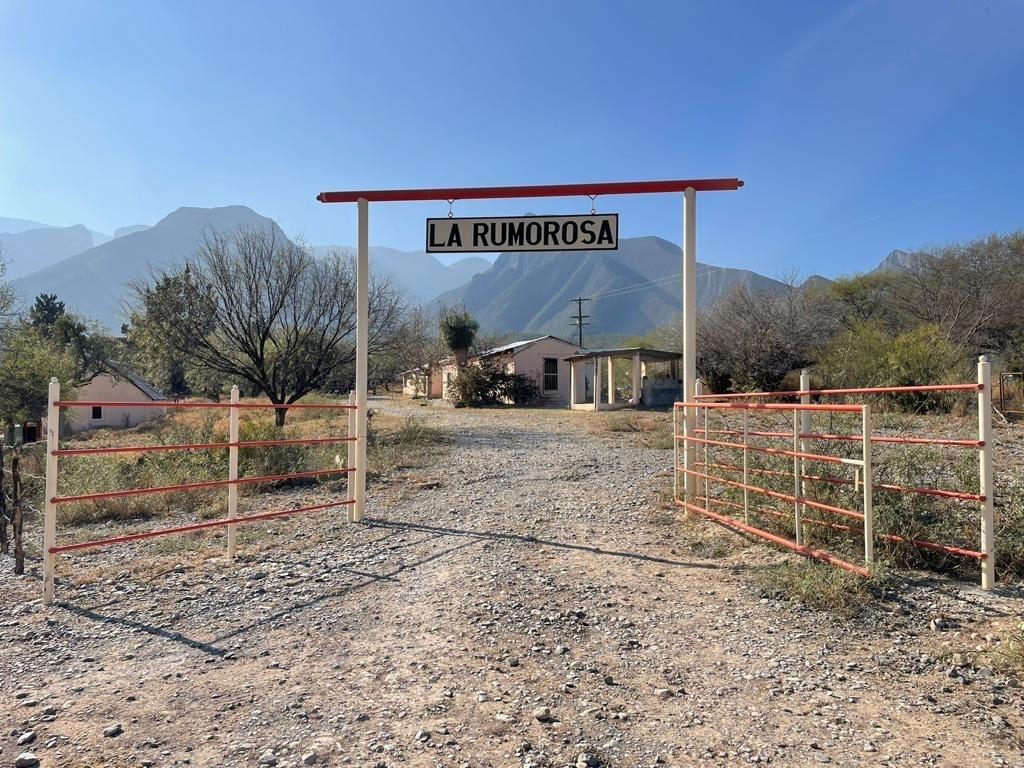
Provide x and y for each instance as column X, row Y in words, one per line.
column 595, row 232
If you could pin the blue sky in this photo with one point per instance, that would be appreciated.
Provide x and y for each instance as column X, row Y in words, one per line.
column 857, row 127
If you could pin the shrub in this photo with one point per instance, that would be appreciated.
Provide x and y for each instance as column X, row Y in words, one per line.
column 479, row 385
column 866, row 355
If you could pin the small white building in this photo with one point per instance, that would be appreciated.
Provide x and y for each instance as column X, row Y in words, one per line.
column 423, row 381
column 121, row 384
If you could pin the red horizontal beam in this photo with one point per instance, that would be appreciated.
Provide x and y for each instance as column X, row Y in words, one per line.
column 772, row 451
column 851, row 391
column 958, row 495
column 194, row 527
column 833, row 408
column 814, row 554
column 541, row 190
column 850, row 529
column 186, row 404
column 197, row 486
column 850, row 438
column 199, row 446
column 775, row 494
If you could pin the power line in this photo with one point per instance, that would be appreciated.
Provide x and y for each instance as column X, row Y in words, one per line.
column 701, row 269
column 579, row 317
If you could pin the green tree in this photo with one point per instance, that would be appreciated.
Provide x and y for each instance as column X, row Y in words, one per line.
column 45, row 313
column 27, row 362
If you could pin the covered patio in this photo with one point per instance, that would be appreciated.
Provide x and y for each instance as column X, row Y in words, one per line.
column 594, row 370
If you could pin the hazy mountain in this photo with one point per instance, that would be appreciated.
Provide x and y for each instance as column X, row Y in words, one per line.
column 122, row 231
column 635, row 289
column 33, row 249
column 93, row 282
column 12, row 226
column 421, row 276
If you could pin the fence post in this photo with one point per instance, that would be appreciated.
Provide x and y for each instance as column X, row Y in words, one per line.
column 698, row 390
column 49, row 508
column 798, row 507
column 232, row 471
column 986, row 473
column 869, row 512
column 675, row 452
column 746, row 468
column 350, row 457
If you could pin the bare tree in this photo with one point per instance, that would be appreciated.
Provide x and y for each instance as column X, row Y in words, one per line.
column 256, row 307
column 972, row 291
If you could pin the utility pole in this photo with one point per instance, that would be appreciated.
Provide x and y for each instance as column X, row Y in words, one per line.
column 579, row 317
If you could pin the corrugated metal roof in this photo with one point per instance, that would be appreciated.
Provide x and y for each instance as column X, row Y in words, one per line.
column 123, row 371
column 515, row 345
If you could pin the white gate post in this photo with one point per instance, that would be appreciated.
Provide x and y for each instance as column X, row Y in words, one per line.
column 350, row 457
column 49, row 508
column 362, row 350
column 986, row 473
column 675, row 453
column 232, row 471
column 798, row 503
column 689, row 331
column 869, row 509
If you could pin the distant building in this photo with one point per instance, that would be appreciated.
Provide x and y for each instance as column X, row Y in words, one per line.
column 423, row 381
column 120, row 384
column 542, row 360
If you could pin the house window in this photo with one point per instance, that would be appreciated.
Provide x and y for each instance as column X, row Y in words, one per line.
column 97, row 411
column 550, row 374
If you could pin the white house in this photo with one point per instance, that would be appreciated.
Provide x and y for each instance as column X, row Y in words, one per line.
column 541, row 359
column 124, row 385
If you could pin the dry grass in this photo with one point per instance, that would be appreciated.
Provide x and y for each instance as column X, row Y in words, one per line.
column 819, row 586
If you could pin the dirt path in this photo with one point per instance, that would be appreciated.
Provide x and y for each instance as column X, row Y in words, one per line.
column 528, row 602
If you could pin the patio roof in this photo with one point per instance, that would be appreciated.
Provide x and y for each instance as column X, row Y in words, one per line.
column 645, row 353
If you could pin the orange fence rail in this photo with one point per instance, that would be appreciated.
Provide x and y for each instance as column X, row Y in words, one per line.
column 723, row 473
column 54, row 453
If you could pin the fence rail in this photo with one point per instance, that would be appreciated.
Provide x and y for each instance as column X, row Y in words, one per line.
column 54, row 453
column 714, row 471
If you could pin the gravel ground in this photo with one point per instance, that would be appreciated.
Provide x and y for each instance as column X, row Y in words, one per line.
column 528, row 601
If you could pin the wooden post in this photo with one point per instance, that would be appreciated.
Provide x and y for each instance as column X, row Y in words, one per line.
column 3, row 501
column 19, row 513
column 232, row 471
column 49, row 508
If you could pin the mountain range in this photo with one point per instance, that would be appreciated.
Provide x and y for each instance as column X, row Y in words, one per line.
column 633, row 289
column 92, row 278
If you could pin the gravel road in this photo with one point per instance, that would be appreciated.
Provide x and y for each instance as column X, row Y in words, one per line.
column 528, row 601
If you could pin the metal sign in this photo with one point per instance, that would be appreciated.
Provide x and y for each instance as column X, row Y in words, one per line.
column 596, row 232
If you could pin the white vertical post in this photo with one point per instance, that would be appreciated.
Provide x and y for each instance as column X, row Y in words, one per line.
column 746, row 468
column 572, row 383
column 675, row 452
column 350, row 457
column 986, row 473
column 362, row 350
column 798, row 507
column 637, row 379
column 49, row 508
column 689, row 329
column 699, row 390
column 232, row 471
column 869, row 512
column 611, row 381
column 597, row 383
column 805, row 420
